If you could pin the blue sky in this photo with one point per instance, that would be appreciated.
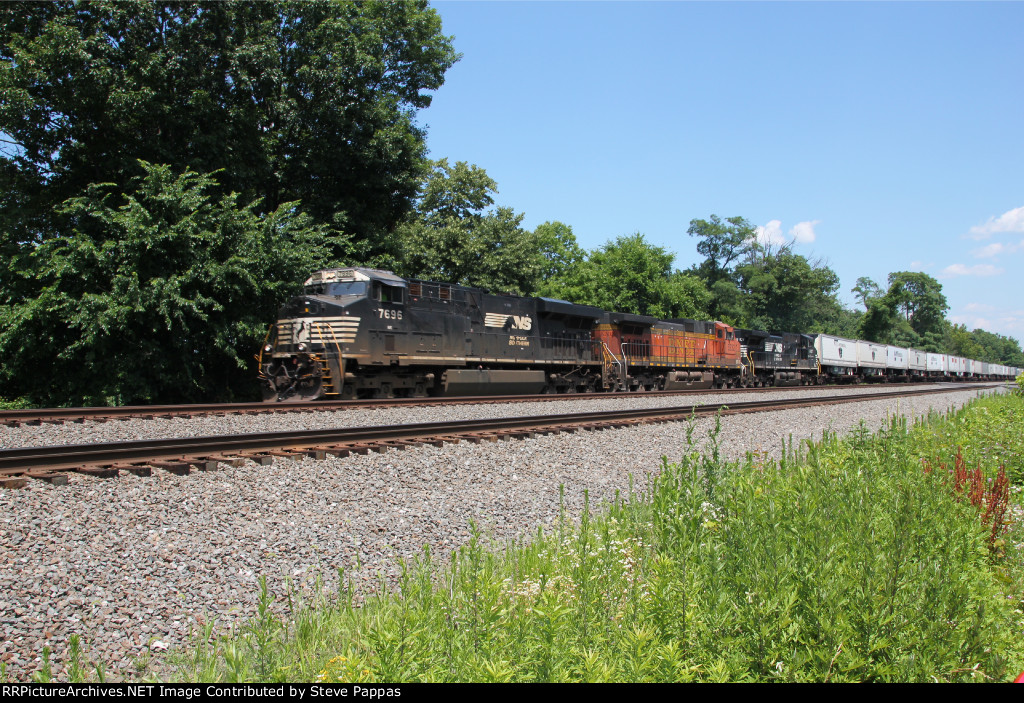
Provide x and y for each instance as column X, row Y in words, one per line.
column 881, row 136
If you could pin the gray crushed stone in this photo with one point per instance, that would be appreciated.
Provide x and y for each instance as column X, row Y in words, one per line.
column 134, row 562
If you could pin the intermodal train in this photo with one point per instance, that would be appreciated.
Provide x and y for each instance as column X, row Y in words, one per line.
column 360, row 332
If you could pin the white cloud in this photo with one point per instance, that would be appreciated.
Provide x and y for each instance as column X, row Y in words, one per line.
column 979, row 307
column 976, row 270
column 1000, row 320
column 920, row 265
column 1010, row 221
column 770, row 233
column 996, row 248
column 803, row 232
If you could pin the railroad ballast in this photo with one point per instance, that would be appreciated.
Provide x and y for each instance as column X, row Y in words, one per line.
column 359, row 332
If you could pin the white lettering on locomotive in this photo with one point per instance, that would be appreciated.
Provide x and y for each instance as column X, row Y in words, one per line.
column 516, row 322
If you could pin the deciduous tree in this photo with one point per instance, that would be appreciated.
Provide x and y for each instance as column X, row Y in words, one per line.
column 160, row 295
column 292, row 101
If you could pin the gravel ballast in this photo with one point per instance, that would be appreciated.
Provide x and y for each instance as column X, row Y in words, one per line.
column 134, row 563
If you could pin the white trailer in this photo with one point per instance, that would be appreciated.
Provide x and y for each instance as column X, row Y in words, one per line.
column 836, row 356
column 956, row 365
column 897, row 360
column 871, row 358
column 917, row 362
column 938, row 365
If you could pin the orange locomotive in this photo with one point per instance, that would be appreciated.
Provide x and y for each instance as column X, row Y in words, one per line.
column 644, row 353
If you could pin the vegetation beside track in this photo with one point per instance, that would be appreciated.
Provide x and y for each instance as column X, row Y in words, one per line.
column 857, row 559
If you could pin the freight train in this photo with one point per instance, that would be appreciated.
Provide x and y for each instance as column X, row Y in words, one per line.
column 360, row 332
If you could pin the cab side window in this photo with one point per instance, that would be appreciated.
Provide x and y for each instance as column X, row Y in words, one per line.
column 388, row 294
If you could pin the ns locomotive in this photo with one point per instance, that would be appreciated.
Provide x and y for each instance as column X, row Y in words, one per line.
column 359, row 332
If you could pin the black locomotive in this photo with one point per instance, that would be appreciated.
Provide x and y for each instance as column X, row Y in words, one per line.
column 360, row 332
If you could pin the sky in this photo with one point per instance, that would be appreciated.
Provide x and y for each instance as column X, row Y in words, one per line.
column 876, row 136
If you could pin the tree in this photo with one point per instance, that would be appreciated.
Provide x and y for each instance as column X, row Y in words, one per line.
column 960, row 342
column 879, row 322
column 998, row 349
column 160, row 295
column 866, row 290
column 451, row 238
column 297, row 101
column 721, row 243
column 632, row 275
column 556, row 243
column 787, row 292
column 920, row 298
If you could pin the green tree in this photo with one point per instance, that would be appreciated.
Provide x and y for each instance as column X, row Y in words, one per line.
column 879, row 321
column 632, row 275
column 998, row 349
column 157, row 296
column 452, row 238
column 787, row 292
column 721, row 243
column 557, row 245
column 295, row 101
column 919, row 297
column 960, row 342
column 866, row 290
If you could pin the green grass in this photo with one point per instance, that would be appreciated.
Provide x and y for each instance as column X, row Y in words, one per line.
column 844, row 561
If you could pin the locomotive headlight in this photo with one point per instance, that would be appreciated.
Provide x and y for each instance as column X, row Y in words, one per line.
column 302, row 347
column 269, row 348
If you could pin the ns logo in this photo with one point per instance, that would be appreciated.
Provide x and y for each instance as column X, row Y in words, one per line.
column 515, row 322
column 521, row 322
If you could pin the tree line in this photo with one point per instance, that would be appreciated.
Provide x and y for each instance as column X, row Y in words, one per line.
column 170, row 173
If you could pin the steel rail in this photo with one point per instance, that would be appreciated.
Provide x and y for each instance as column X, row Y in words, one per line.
column 57, row 415
column 64, row 457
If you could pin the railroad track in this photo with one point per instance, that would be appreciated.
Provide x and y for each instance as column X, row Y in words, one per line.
column 39, row 416
column 182, row 456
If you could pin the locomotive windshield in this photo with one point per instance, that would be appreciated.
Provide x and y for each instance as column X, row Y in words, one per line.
column 339, row 288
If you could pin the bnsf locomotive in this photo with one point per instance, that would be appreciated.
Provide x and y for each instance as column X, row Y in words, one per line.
column 359, row 332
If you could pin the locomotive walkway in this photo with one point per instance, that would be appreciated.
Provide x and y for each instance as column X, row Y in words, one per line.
column 184, row 455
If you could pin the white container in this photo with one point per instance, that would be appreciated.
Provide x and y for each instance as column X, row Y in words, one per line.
column 836, row 352
column 897, row 358
column 937, row 364
column 870, row 355
column 956, row 365
column 917, row 360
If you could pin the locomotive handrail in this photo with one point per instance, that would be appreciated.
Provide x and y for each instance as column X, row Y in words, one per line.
column 334, row 338
column 609, row 352
column 259, row 357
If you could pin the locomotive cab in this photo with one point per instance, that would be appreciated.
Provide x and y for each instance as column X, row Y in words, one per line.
column 304, row 354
